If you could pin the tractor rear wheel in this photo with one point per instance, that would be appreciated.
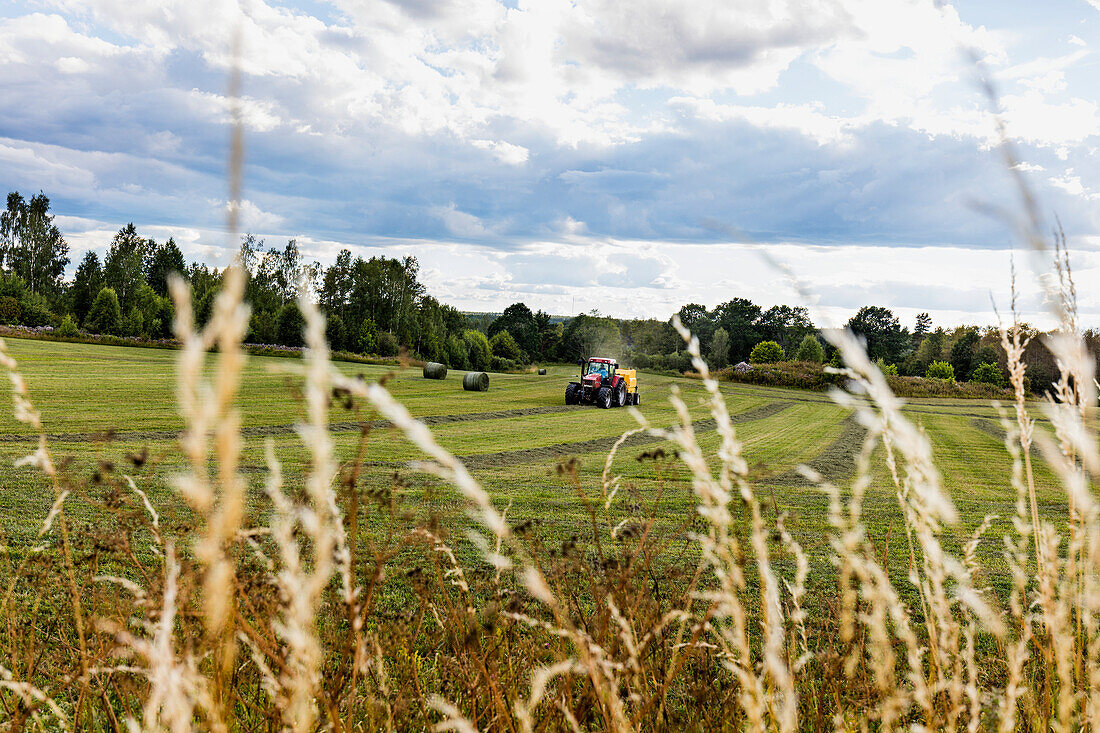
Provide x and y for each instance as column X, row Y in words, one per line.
column 603, row 398
column 571, row 396
column 621, row 397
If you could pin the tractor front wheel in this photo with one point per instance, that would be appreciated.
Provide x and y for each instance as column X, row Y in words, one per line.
column 571, row 394
column 603, row 398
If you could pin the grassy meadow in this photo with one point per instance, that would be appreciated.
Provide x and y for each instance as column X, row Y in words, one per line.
column 108, row 607
column 106, row 403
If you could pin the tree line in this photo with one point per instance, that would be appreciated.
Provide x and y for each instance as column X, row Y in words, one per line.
column 378, row 306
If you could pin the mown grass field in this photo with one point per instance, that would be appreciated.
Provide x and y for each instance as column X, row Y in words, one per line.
column 513, row 437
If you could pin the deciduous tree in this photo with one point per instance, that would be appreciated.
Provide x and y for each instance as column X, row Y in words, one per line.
column 31, row 246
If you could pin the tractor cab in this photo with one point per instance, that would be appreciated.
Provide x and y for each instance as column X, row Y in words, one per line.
column 598, row 372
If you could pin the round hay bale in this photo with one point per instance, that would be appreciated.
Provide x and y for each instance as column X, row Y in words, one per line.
column 475, row 382
column 542, row 372
column 435, row 370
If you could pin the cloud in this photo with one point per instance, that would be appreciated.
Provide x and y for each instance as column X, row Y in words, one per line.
column 460, row 223
column 255, row 219
column 808, row 119
column 500, row 130
column 504, row 152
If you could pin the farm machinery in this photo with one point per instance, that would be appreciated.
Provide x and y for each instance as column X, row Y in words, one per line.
column 603, row 383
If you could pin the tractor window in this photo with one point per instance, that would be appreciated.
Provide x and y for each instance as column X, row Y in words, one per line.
column 604, row 369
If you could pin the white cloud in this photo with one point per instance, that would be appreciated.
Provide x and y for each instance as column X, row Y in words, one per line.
column 256, row 115
column 1029, row 116
column 503, row 151
column 255, row 219
column 460, row 223
column 72, row 65
column 808, row 119
column 1044, row 75
column 26, row 166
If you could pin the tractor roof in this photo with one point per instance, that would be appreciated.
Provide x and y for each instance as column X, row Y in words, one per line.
column 602, row 360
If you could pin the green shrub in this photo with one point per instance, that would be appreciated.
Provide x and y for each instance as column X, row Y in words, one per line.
column 503, row 345
column 365, row 339
column 68, row 328
column 810, row 350
column 766, row 352
column 889, row 369
column 988, row 374
column 940, row 370
column 387, row 344
column 335, row 333
column 477, row 349
column 10, row 311
column 919, row 387
column 133, row 324
column 797, row 374
column 457, row 354
column 105, row 315
column 499, row 364
column 718, row 357
column 289, row 325
column 803, row 375
column 35, row 311
column 261, row 328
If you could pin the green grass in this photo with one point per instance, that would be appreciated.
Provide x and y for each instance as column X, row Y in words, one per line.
column 82, row 389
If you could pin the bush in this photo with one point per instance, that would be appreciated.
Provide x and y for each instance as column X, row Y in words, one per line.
column 105, row 315
column 503, row 345
column 940, row 370
column 888, row 369
column 35, row 311
column 498, row 364
column 766, row 352
column 921, row 387
column 718, row 356
column 800, row 375
column 677, row 362
column 387, row 344
column 433, row 348
column 261, row 328
column 457, row 355
column 68, row 328
column 477, row 349
column 365, row 339
column 133, row 323
column 10, row 312
column 289, row 325
column 810, row 350
column 988, row 374
column 335, row 333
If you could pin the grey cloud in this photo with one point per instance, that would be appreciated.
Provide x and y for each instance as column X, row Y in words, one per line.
column 658, row 42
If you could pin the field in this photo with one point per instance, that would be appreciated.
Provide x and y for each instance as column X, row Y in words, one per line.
column 425, row 618
column 105, row 403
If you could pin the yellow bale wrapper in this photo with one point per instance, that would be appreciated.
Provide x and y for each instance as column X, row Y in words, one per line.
column 631, row 377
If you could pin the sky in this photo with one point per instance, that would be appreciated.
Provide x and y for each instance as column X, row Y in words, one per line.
column 579, row 154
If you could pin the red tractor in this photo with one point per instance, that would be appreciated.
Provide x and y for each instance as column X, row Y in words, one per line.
column 605, row 384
